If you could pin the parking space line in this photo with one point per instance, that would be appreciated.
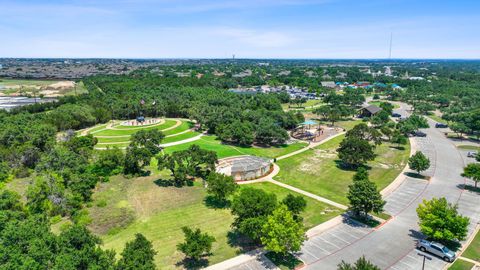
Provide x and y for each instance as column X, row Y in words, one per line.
column 339, row 238
column 322, row 249
column 332, row 244
column 311, row 254
column 409, row 266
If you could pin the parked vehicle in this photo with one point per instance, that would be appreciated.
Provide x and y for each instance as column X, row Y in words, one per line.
column 419, row 133
column 396, row 115
column 441, row 125
column 472, row 154
column 436, row 249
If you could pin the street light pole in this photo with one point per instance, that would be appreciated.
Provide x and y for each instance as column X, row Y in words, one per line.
column 424, row 257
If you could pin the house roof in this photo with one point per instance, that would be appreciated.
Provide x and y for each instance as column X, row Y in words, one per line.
column 328, row 84
column 373, row 109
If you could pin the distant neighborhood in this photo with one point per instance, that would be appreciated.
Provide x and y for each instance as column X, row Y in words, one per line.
column 298, row 93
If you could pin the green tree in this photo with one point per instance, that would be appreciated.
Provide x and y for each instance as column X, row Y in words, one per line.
column 364, row 196
column 79, row 249
column 472, row 171
column 439, row 220
column 251, row 207
column 355, row 151
column 398, row 138
column 419, row 162
column 387, row 107
column 282, row 233
column 137, row 254
column 220, row 186
column 109, row 162
column 187, row 164
column 196, row 245
column 150, row 139
column 136, row 159
column 295, row 204
column 4, row 171
column 360, row 264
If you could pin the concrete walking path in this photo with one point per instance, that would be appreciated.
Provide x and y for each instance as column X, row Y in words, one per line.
column 310, row 195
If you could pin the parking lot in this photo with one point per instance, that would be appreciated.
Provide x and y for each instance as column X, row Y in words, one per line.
column 425, row 145
column 332, row 240
column 404, row 195
column 414, row 261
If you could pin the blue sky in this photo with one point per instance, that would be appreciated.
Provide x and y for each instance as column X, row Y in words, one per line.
column 248, row 28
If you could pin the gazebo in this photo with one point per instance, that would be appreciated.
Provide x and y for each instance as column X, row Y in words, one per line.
column 308, row 130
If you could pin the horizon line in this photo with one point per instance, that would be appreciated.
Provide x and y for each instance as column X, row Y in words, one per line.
column 236, row 58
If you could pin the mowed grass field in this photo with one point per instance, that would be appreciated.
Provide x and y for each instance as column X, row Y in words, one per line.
column 122, row 131
column 378, row 102
column 211, row 142
column 473, row 250
column 461, row 265
column 123, row 207
column 317, row 170
column 119, row 135
column 315, row 213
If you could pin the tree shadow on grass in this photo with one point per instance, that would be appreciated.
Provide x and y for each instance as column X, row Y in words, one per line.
column 212, row 202
column 346, row 167
column 172, row 183
column 238, row 240
column 469, row 188
column 188, row 263
column 401, row 148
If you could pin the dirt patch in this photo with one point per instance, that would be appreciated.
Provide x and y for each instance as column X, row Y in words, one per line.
column 62, row 85
column 312, row 164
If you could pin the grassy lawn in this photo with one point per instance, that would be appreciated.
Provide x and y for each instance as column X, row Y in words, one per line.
column 473, row 250
column 112, row 132
column 315, row 213
column 114, row 139
column 438, row 119
column 461, row 265
column 316, row 170
column 181, row 137
column 309, row 103
column 124, row 141
column 97, row 128
column 184, row 126
column 225, row 150
column 378, row 102
column 20, row 186
column 123, row 207
column 469, row 147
